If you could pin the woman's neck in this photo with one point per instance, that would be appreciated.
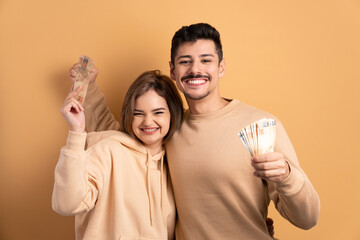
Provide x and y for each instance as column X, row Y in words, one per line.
column 154, row 150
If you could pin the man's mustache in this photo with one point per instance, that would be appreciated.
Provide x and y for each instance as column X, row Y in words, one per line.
column 195, row 76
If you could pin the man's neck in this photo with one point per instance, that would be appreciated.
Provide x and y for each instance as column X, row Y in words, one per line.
column 205, row 106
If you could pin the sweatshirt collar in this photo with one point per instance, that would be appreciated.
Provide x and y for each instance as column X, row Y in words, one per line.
column 233, row 103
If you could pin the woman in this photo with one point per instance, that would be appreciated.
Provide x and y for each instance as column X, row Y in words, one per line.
column 118, row 188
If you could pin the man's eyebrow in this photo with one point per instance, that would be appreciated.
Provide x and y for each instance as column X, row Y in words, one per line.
column 207, row 55
column 183, row 56
column 202, row 55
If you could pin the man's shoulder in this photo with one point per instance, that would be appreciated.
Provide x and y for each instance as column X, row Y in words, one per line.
column 245, row 111
column 235, row 110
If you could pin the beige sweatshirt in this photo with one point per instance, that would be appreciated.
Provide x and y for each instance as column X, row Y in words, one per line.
column 217, row 196
column 115, row 188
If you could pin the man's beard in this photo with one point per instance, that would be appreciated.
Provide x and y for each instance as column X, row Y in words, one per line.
column 189, row 96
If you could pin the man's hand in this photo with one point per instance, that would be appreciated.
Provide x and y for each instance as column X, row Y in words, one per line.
column 73, row 112
column 92, row 77
column 271, row 166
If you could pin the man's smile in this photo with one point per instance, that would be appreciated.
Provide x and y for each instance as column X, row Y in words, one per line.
column 195, row 80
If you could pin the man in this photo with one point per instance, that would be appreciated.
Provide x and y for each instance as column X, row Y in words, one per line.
column 220, row 191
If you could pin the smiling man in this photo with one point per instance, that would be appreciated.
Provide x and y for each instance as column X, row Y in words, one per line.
column 221, row 192
column 192, row 60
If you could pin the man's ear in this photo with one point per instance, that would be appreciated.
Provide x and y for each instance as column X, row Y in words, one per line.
column 172, row 67
column 222, row 68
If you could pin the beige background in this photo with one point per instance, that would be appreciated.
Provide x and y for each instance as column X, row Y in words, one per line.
column 296, row 59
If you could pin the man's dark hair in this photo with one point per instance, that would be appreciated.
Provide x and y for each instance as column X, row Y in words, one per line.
column 193, row 33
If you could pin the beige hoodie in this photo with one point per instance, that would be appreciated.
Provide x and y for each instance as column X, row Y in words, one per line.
column 115, row 188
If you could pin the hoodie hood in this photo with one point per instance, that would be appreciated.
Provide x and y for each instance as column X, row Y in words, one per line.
column 151, row 161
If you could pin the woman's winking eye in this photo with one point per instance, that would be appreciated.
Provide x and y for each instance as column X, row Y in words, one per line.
column 138, row 113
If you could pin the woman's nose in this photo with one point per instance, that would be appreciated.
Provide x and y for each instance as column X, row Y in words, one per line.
column 148, row 120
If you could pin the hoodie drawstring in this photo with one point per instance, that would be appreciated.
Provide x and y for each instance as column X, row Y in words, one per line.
column 148, row 187
column 161, row 187
column 148, row 158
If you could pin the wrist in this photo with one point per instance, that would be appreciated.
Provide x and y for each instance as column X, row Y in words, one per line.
column 76, row 141
column 77, row 129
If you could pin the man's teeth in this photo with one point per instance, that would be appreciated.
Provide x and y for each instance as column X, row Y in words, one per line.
column 196, row 81
column 150, row 130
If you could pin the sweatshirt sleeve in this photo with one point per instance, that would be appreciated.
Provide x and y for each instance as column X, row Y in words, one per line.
column 98, row 116
column 295, row 198
column 77, row 183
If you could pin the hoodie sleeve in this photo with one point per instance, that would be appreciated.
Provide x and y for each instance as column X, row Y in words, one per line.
column 77, row 182
column 98, row 116
column 295, row 198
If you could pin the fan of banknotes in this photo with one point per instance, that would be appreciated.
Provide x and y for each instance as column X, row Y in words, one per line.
column 259, row 137
column 82, row 77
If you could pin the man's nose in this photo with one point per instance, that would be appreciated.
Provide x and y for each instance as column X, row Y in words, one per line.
column 195, row 68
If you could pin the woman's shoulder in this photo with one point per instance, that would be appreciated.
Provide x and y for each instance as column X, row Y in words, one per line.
column 113, row 140
column 94, row 138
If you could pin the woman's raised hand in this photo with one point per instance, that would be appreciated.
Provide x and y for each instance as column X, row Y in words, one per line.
column 73, row 112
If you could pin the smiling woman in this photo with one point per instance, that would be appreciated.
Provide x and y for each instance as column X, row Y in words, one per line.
column 151, row 103
column 151, row 120
column 127, row 186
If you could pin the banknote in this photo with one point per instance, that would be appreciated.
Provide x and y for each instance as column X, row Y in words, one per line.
column 259, row 137
column 84, row 67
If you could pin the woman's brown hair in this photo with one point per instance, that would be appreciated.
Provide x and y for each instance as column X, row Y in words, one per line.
column 163, row 86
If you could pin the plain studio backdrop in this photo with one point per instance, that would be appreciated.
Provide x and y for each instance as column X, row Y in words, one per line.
column 296, row 59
